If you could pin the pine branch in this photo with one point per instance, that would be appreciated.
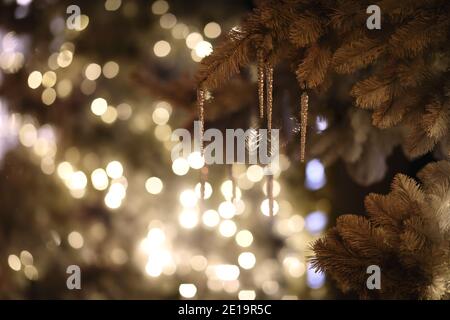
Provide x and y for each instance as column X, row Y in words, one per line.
column 372, row 92
column 414, row 263
column 356, row 54
column 313, row 69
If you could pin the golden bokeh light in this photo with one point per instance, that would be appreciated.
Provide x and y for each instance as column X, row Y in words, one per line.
column 34, row 79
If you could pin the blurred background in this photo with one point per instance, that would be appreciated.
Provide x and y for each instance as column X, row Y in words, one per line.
column 86, row 177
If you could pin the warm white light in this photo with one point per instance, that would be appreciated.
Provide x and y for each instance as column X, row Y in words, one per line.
column 26, row 258
column 28, row 135
column 77, row 180
column 110, row 115
column 203, row 49
column 255, row 173
column 210, row 218
column 160, row 7
column 48, row 96
column 227, row 210
column 199, row 263
column 180, row 166
column 193, row 39
column 244, row 238
column 49, row 79
column 196, row 160
column 156, row 237
column 208, row 190
column 112, row 201
column 161, row 48
column 154, row 185
column 34, row 79
column 163, row 132
column 65, row 170
column 188, row 198
column 75, row 240
column 212, row 30
column 160, row 116
column 195, row 57
column 99, row 106
column 30, row 272
column 110, row 69
column 294, row 266
column 112, row 5
column 227, row 228
column 153, row 269
column 14, row 262
column 93, row 71
column 117, row 190
column 180, row 31
column 64, row 58
column 247, row 295
column 64, row 88
column 124, row 111
column 265, row 207
column 99, row 179
column 188, row 218
column 224, row 272
column 247, row 260
column 114, row 169
column 227, row 190
column 167, row 21
column 187, row 290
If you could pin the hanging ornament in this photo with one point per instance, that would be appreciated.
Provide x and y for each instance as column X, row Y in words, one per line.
column 201, row 115
column 303, row 124
column 260, row 58
column 269, row 101
column 204, row 170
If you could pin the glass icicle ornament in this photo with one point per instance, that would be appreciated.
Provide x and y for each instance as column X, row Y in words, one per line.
column 303, row 124
column 269, row 101
column 204, row 170
column 260, row 66
column 201, row 115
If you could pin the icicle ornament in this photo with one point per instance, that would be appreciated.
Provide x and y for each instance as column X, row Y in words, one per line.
column 201, row 115
column 260, row 61
column 303, row 124
column 269, row 101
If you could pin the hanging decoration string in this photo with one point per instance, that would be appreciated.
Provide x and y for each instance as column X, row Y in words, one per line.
column 303, row 124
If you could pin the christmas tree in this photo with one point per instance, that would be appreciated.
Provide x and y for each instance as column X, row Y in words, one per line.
column 92, row 92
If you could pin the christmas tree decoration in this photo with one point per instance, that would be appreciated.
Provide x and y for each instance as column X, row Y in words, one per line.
column 201, row 117
column 261, row 83
column 106, row 142
column 303, row 124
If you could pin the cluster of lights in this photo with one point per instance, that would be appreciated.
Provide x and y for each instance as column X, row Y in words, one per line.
column 156, row 245
column 24, row 261
column 157, row 249
column 195, row 160
column 199, row 47
column 42, row 140
column 100, row 107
